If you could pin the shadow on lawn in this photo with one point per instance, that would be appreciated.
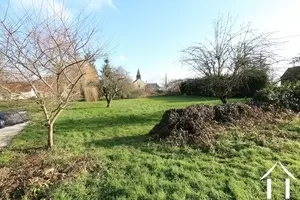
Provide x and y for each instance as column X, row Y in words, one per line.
column 31, row 150
column 182, row 98
column 134, row 141
column 82, row 107
column 100, row 122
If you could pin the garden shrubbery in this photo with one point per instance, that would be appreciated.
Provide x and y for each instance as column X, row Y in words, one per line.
column 197, row 87
column 286, row 96
column 246, row 84
column 250, row 82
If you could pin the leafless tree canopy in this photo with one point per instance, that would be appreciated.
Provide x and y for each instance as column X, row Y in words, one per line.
column 47, row 50
column 295, row 60
column 232, row 50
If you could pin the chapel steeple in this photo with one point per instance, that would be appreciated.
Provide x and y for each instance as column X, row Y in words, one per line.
column 138, row 75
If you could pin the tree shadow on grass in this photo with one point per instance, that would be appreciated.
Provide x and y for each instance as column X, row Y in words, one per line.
column 100, row 122
column 82, row 107
column 178, row 99
column 135, row 141
column 30, row 150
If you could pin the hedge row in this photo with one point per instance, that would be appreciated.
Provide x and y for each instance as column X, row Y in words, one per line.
column 245, row 86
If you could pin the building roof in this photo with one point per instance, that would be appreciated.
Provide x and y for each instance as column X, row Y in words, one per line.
column 291, row 74
column 17, row 87
column 138, row 75
column 152, row 85
column 137, row 80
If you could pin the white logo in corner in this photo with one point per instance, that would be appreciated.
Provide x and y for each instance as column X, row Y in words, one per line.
column 287, row 181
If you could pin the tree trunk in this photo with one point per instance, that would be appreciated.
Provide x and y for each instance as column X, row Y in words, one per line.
column 108, row 102
column 50, row 135
column 223, row 99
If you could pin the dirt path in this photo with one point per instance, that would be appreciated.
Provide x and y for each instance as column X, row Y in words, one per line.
column 8, row 133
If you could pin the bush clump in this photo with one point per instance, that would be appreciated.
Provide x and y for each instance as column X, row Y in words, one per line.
column 200, row 126
column 244, row 85
column 286, row 96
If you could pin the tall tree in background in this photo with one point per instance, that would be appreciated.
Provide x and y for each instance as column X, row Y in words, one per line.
column 112, row 81
column 46, row 49
column 232, row 51
column 90, row 82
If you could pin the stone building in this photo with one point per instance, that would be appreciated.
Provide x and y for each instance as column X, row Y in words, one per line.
column 140, row 84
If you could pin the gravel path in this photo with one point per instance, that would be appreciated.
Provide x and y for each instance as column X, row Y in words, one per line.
column 8, row 133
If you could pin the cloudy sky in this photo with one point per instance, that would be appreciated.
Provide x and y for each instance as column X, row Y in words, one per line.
column 149, row 34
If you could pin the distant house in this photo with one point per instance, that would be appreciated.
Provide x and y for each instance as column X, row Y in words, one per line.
column 16, row 90
column 140, row 84
column 152, row 87
column 292, row 74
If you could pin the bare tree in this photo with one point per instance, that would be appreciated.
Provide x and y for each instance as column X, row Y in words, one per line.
column 295, row 61
column 174, row 86
column 47, row 49
column 113, row 81
column 230, row 52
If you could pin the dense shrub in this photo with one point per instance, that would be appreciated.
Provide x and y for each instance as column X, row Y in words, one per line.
column 285, row 96
column 267, row 95
column 249, row 82
column 245, row 85
column 197, row 87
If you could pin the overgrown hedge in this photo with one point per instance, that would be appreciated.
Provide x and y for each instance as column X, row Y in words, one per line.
column 285, row 96
column 251, row 81
column 247, row 84
column 197, row 87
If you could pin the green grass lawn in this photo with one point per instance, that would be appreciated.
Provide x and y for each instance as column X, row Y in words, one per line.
column 126, row 165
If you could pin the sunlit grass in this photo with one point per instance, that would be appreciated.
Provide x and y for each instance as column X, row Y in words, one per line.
column 132, row 167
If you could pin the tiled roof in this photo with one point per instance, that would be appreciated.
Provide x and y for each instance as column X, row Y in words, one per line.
column 17, row 87
column 291, row 74
column 152, row 85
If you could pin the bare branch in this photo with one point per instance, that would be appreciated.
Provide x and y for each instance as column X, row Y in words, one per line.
column 47, row 49
column 231, row 51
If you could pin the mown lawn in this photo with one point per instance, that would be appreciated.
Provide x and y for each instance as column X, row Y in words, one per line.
column 126, row 165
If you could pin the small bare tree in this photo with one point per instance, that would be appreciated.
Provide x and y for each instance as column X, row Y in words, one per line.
column 112, row 81
column 174, row 86
column 230, row 52
column 47, row 49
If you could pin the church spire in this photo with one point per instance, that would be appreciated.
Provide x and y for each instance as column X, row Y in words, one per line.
column 138, row 75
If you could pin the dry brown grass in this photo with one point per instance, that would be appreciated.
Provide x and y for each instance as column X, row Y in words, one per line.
column 33, row 171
